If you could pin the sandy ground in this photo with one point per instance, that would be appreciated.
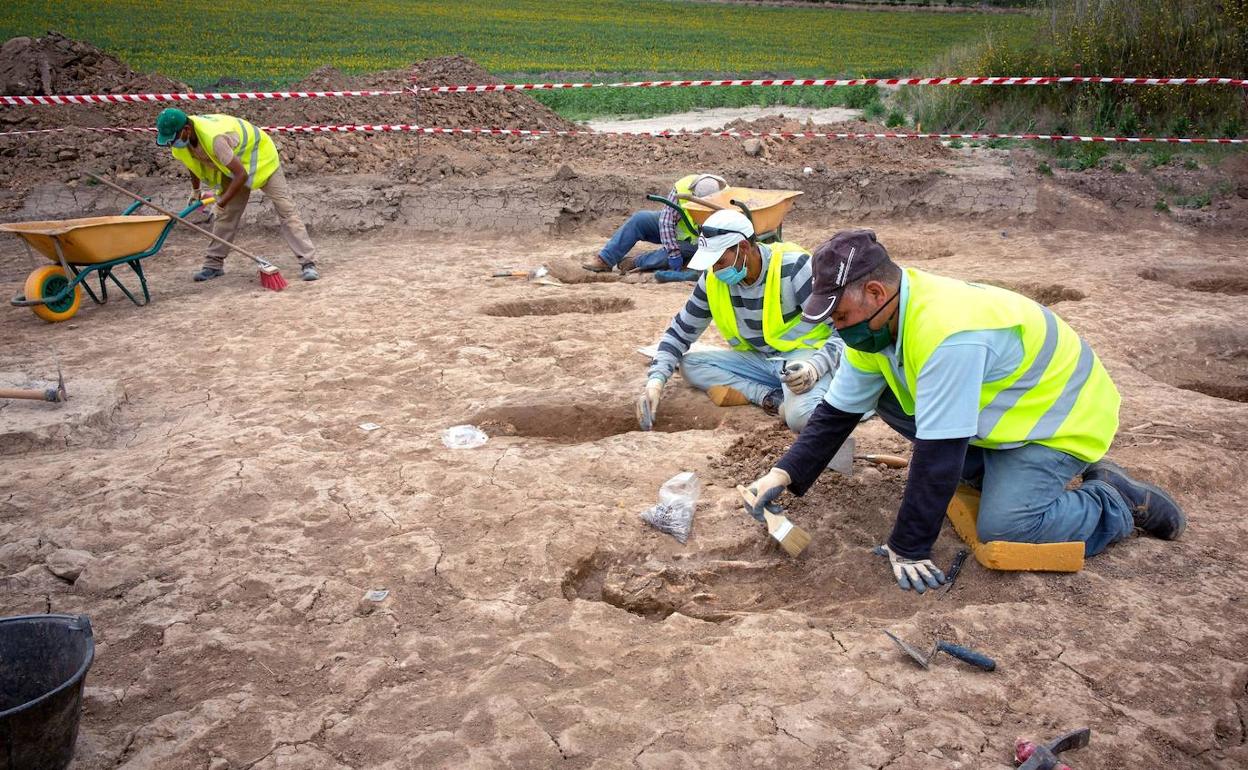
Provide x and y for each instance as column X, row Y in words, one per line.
column 719, row 117
column 236, row 514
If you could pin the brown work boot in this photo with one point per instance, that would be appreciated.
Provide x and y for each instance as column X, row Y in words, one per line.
column 627, row 265
column 597, row 265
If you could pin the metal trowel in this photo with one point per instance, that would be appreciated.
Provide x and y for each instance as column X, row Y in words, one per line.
column 843, row 461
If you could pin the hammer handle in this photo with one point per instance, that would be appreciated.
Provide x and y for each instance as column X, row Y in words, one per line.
column 967, row 655
column 33, row 395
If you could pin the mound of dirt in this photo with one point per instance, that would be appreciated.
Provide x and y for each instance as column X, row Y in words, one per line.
column 57, row 64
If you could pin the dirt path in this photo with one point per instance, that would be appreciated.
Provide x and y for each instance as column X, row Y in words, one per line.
column 237, row 515
column 716, row 119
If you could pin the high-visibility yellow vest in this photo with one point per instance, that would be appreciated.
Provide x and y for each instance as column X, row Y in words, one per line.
column 777, row 332
column 1059, row 396
column 255, row 151
column 684, row 186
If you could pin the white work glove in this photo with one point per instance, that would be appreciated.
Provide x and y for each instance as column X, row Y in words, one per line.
column 761, row 493
column 648, row 402
column 911, row 573
column 800, row 376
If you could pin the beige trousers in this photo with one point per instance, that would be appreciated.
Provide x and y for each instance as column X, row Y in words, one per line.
column 277, row 190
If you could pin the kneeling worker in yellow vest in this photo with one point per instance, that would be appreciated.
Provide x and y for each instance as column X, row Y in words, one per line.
column 235, row 158
column 754, row 293
column 992, row 388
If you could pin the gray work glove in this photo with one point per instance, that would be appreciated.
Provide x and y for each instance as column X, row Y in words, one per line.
column 919, row 574
column 800, row 376
column 761, row 493
column 648, row 402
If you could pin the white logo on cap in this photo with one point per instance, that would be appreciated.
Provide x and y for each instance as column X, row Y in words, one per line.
column 844, row 271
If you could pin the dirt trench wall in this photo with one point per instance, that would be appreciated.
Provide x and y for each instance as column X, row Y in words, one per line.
column 360, row 203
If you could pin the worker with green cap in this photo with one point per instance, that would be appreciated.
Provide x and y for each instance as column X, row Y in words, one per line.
column 235, row 158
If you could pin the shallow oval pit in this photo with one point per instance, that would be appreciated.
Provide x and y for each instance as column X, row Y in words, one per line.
column 1215, row 362
column 558, row 306
column 577, row 423
column 1044, row 293
column 1214, row 279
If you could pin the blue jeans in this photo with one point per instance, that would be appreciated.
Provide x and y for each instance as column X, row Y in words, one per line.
column 1024, row 497
column 751, row 373
column 643, row 226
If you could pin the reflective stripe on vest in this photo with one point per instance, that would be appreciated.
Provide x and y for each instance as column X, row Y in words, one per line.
column 255, row 151
column 684, row 186
column 780, row 334
column 1060, row 394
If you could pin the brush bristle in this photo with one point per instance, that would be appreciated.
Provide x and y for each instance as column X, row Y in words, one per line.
column 791, row 537
column 796, row 541
column 273, row 281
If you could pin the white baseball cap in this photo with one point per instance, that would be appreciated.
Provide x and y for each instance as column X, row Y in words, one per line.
column 720, row 232
column 707, row 184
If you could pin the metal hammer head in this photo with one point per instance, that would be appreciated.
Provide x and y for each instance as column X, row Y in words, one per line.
column 1045, row 756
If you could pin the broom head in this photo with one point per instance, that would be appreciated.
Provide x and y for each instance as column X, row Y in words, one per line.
column 271, row 278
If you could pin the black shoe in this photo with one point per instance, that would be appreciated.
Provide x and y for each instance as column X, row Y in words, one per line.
column 1154, row 511
column 207, row 274
column 772, row 401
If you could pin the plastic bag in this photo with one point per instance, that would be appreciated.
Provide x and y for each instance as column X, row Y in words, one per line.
column 674, row 513
column 463, row 437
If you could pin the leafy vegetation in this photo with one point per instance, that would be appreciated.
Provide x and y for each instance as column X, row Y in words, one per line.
column 280, row 41
column 1143, row 38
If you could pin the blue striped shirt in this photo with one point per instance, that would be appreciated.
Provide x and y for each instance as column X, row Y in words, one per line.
column 747, row 306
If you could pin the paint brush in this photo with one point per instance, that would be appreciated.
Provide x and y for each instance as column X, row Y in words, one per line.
column 792, row 538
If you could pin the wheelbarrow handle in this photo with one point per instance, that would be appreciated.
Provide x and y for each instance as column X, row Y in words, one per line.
column 680, row 212
column 264, row 263
column 700, row 201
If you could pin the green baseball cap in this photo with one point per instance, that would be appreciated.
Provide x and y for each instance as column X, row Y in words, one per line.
column 168, row 123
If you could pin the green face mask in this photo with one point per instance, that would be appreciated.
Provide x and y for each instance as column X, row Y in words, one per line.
column 861, row 336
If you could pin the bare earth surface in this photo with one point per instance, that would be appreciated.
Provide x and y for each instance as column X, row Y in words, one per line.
column 237, row 514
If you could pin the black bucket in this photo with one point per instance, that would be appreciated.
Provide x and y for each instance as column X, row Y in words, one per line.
column 43, row 663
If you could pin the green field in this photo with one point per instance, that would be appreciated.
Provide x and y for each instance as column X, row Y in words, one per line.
column 280, row 41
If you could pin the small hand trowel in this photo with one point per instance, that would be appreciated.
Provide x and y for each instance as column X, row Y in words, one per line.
column 645, row 417
column 964, row 654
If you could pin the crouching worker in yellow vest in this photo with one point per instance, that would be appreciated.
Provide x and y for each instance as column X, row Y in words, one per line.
column 991, row 387
column 234, row 158
column 754, row 294
column 676, row 241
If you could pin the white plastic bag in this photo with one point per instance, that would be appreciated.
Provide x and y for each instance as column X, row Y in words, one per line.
column 464, row 437
column 674, row 513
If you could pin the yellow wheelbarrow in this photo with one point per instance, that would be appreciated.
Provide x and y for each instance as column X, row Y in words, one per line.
column 766, row 209
column 80, row 247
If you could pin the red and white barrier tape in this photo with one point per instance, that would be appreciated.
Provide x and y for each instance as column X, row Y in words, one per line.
column 59, row 99
column 943, row 81
column 411, row 128
column 187, row 97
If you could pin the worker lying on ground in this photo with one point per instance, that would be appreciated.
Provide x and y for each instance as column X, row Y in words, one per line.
column 754, row 293
column 676, row 242
column 233, row 157
column 991, row 387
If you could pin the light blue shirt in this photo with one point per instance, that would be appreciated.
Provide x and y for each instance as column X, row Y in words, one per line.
column 946, row 404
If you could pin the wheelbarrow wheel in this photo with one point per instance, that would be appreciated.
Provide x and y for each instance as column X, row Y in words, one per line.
column 48, row 281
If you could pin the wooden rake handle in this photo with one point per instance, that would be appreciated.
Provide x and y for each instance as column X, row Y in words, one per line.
column 261, row 261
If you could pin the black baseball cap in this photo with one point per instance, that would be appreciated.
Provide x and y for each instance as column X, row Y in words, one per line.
column 838, row 262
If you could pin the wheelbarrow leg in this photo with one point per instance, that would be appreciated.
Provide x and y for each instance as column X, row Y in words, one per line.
column 134, row 265
column 103, row 273
column 78, row 275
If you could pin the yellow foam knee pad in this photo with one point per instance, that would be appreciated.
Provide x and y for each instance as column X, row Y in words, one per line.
column 726, row 395
column 1001, row 555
